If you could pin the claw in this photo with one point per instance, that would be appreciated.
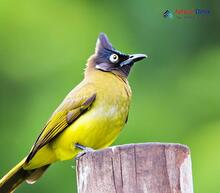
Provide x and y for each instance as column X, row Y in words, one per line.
column 85, row 150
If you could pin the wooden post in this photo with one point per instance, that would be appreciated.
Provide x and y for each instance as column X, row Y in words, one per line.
column 136, row 168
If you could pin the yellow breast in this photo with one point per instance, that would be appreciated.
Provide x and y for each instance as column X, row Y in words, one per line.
column 100, row 125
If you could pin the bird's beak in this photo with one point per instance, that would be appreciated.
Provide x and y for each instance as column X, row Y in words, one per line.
column 133, row 58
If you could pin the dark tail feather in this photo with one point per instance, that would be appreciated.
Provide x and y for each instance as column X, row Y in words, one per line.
column 17, row 175
column 36, row 174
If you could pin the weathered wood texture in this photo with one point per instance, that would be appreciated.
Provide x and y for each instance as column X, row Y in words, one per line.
column 136, row 168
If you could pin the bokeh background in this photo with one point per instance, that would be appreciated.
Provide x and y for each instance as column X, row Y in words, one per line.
column 44, row 46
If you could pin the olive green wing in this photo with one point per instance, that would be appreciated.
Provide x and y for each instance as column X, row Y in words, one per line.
column 71, row 109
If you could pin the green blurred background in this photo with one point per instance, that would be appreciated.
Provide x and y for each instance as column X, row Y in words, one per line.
column 44, row 46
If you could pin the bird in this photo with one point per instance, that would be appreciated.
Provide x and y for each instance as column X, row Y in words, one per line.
column 89, row 118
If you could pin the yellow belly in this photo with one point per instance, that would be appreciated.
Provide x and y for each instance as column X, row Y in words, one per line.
column 96, row 129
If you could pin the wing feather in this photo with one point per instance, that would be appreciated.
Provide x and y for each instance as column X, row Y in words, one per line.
column 64, row 116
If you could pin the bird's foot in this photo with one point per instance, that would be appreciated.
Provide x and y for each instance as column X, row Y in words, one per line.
column 85, row 150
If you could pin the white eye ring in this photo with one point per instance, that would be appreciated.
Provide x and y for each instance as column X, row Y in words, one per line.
column 114, row 58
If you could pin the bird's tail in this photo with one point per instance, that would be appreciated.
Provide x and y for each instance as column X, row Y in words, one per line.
column 17, row 175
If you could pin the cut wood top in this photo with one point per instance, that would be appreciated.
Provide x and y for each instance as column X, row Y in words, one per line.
column 136, row 168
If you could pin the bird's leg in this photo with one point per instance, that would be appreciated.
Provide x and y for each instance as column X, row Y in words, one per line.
column 85, row 150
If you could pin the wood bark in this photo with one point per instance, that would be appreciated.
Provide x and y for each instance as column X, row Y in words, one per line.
column 136, row 168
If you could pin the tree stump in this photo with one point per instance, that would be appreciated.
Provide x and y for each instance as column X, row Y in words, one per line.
column 136, row 168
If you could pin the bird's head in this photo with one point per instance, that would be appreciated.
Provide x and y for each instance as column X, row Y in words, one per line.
column 108, row 59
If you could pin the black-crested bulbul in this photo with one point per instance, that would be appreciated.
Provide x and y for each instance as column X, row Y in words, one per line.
column 91, row 116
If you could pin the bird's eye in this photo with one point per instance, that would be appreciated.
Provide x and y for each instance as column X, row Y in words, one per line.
column 113, row 58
